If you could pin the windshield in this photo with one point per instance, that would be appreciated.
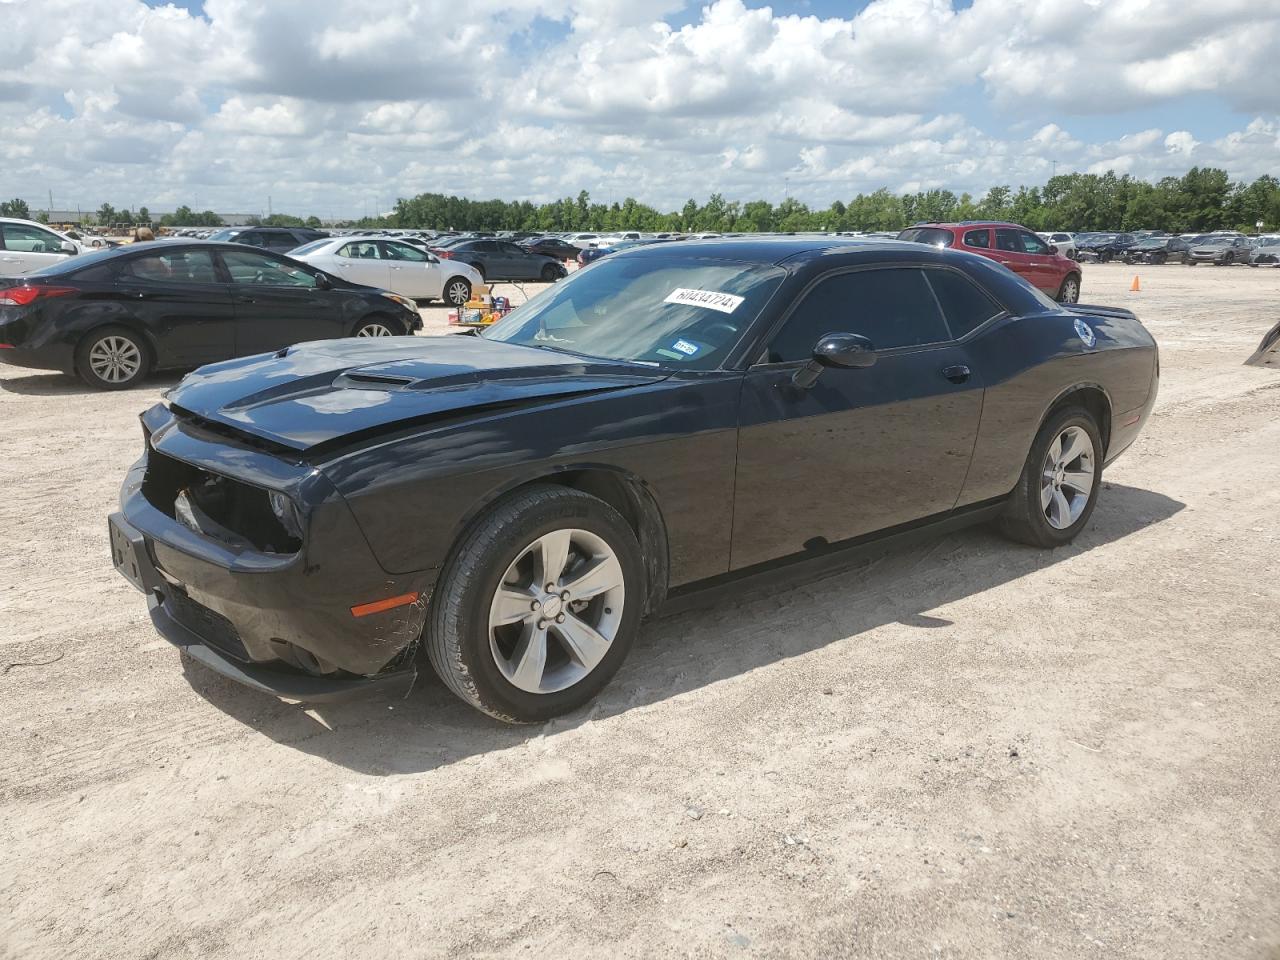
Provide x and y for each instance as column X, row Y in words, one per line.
column 1152, row 242
column 72, row 264
column 671, row 311
column 308, row 247
column 225, row 234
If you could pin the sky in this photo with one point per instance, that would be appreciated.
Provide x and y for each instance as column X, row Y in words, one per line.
column 325, row 107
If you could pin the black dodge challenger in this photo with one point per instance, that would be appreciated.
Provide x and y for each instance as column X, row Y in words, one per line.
column 673, row 418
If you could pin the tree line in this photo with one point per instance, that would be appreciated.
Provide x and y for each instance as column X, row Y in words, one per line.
column 1203, row 199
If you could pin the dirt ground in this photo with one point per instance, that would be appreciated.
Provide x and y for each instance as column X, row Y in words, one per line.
column 971, row 749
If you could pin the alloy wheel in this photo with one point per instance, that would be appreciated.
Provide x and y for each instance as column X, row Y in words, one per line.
column 458, row 293
column 1067, row 477
column 557, row 611
column 115, row 359
column 374, row 330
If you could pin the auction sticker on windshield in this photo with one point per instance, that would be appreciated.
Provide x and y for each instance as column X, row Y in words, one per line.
column 711, row 299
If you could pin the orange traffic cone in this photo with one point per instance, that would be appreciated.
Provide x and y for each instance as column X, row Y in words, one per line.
column 1136, row 287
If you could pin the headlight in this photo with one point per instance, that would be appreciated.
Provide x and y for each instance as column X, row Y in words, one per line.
column 403, row 301
column 286, row 512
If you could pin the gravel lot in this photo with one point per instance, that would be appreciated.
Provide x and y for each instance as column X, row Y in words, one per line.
column 971, row 749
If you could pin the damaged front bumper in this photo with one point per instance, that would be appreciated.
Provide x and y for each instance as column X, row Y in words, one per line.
column 282, row 624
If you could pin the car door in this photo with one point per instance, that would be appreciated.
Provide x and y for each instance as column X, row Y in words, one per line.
column 277, row 302
column 861, row 450
column 1013, row 249
column 360, row 261
column 183, row 300
column 521, row 264
column 27, row 247
column 413, row 273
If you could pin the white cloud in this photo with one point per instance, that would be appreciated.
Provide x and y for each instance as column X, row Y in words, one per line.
column 330, row 108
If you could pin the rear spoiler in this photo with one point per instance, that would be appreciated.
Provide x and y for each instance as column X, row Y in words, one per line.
column 1092, row 310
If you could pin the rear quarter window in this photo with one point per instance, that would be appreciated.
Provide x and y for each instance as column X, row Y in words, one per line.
column 930, row 235
column 978, row 238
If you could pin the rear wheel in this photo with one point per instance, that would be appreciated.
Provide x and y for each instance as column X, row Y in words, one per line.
column 1069, row 292
column 551, row 273
column 1058, row 489
column 538, row 605
column 113, row 358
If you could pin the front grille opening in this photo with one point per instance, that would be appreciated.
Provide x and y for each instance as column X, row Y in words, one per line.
column 236, row 514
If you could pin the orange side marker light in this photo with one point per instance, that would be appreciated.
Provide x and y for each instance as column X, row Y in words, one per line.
column 377, row 606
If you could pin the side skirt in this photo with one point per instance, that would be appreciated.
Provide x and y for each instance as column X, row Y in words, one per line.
column 802, row 567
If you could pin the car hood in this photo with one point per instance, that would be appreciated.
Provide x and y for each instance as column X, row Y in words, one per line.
column 332, row 391
column 1205, row 247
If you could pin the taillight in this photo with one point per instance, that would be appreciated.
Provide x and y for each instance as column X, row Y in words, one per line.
column 444, row 254
column 21, row 296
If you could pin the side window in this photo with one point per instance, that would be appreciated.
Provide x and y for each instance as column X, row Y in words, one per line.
column 181, row 266
column 891, row 308
column 510, row 249
column 402, row 251
column 1008, row 240
column 964, row 304
column 251, row 237
column 25, row 239
column 255, row 268
column 978, row 238
column 1033, row 244
column 365, row 250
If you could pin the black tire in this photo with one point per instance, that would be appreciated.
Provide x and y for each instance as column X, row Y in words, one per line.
column 1024, row 520
column 1069, row 292
column 551, row 273
column 1159, row 258
column 121, row 341
column 394, row 327
column 456, row 291
column 456, row 636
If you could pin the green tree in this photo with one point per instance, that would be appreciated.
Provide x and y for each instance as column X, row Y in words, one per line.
column 106, row 214
column 15, row 208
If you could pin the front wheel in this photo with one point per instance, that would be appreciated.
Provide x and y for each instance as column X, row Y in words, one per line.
column 113, row 358
column 457, row 291
column 538, row 605
column 378, row 327
column 1069, row 292
column 1058, row 489
column 551, row 273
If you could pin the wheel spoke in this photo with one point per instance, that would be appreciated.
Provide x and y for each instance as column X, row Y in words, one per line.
column 1060, row 511
column 530, row 659
column 604, row 574
column 1046, row 496
column 555, row 554
column 585, row 645
column 1073, row 448
column 1055, row 453
column 511, row 606
column 1079, row 480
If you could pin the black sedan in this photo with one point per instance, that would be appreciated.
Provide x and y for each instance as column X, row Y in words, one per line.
column 1158, row 250
column 113, row 317
column 514, row 503
column 502, row 260
column 552, row 247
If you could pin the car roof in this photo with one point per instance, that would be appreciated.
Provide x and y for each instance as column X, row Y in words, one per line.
column 776, row 250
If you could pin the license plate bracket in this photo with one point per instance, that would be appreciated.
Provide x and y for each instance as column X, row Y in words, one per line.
column 129, row 554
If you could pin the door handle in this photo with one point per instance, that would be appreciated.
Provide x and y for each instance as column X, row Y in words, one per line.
column 957, row 373
column 244, row 298
column 9, row 260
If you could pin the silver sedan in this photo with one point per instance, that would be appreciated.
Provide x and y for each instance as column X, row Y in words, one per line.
column 393, row 265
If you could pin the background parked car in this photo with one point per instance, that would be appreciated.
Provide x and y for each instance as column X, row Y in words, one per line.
column 1064, row 243
column 1221, row 250
column 279, row 239
column 394, row 265
column 1007, row 243
column 552, row 247
column 1158, row 250
column 26, row 246
column 114, row 316
column 1266, row 251
column 502, row 260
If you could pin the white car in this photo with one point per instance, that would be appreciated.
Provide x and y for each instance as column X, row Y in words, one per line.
column 26, row 246
column 393, row 265
column 1065, row 242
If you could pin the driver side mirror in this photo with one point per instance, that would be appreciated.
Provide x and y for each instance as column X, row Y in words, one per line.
column 323, row 282
column 67, row 247
column 847, row 350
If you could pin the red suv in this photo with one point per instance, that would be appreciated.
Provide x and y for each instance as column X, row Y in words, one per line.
column 1016, row 247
